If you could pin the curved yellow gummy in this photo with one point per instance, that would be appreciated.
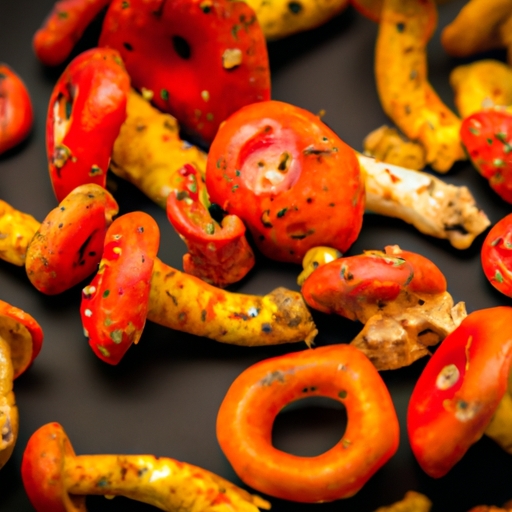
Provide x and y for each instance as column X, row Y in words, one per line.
column 185, row 303
column 149, row 150
column 481, row 84
column 281, row 18
column 16, row 231
column 401, row 76
column 9, row 420
column 165, row 483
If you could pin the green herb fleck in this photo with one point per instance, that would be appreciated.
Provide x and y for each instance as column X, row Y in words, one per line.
column 498, row 276
column 164, row 94
column 409, row 278
column 117, row 336
column 281, row 213
column 104, row 351
column 192, row 186
column 106, row 293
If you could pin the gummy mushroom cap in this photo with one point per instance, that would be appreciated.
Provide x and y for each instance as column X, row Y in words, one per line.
column 427, row 277
column 460, row 389
column 67, row 247
column 42, row 467
column 344, row 284
column 23, row 334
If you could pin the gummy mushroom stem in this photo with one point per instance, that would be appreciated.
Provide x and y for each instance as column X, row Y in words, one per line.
column 186, row 303
column 21, row 338
column 149, row 150
column 16, row 231
column 58, row 480
column 9, row 417
column 432, row 206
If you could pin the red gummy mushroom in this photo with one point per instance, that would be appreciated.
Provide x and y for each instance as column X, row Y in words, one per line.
column 16, row 112
column 57, row 480
column 199, row 60
column 86, row 110
column 63, row 27
column 496, row 255
column 218, row 251
column 399, row 295
column 463, row 392
column 68, row 244
column 487, row 138
column 115, row 304
column 289, row 177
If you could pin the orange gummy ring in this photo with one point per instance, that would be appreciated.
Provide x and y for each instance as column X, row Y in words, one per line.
column 340, row 372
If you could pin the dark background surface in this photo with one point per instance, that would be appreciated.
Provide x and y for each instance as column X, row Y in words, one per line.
column 164, row 395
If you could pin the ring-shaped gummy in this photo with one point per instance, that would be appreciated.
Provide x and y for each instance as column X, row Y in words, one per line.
column 339, row 372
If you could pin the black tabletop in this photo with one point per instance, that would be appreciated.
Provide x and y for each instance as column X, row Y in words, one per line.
column 164, row 395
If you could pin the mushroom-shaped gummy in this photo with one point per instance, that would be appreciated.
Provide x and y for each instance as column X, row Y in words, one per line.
column 133, row 285
column 279, row 167
column 68, row 244
column 463, row 392
column 487, row 137
column 86, row 110
column 218, row 251
column 198, row 60
column 57, row 480
column 115, row 304
column 400, row 296
column 16, row 114
column 21, row 338
column 496, row 255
